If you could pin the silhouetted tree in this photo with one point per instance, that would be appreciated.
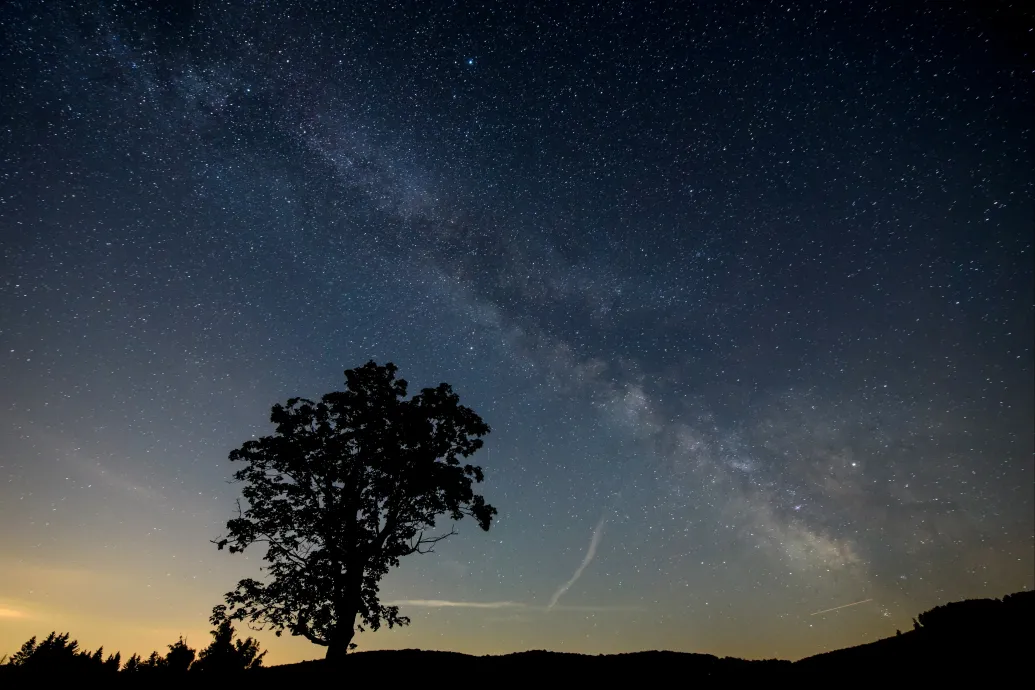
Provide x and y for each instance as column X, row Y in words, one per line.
column 28, row 648
column 151, row 664
column 98, row 662
column 132, row 664
column 226, row 655
column 180, row 657
column 341, row 491
column 57, row 653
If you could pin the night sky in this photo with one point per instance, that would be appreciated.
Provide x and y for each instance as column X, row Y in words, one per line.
column 744, row 290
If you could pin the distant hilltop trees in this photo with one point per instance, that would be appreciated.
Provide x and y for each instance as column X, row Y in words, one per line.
column 57, row 653
column 987, row 638
column 1011, row 614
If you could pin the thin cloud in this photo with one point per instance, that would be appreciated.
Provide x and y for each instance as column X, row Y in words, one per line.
column 590, row 553
column 446, row 604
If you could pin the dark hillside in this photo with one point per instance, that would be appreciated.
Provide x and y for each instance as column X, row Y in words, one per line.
column 977, row 636
column 547, row 664
column 986, row 639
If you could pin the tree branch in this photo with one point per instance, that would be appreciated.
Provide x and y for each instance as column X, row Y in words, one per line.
column 307, row 634
column 428, row 543
column 290, row 554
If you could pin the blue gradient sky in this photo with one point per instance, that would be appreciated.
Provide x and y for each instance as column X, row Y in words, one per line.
column 745, row 293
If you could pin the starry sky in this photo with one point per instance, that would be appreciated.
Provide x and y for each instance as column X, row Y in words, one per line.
column 743, row 288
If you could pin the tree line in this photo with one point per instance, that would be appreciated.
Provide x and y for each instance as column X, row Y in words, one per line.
column 57, row 653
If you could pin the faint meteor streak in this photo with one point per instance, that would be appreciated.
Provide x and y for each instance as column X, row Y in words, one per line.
column 590, row 553
column 843, row 606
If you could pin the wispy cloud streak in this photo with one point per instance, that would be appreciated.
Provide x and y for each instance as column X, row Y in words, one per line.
column 590, row 553
column 446, row 604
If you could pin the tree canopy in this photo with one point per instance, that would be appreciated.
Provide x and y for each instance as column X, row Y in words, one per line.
column 342, row 490
column 227, row 655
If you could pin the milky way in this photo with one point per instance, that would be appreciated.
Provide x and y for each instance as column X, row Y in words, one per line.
column 750, row 285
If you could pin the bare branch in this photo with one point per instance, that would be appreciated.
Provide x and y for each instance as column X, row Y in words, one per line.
column 427, row 544
column 284, row 551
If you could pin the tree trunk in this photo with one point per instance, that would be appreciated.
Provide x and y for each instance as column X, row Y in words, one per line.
column 348, row 597
column 339, row 646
